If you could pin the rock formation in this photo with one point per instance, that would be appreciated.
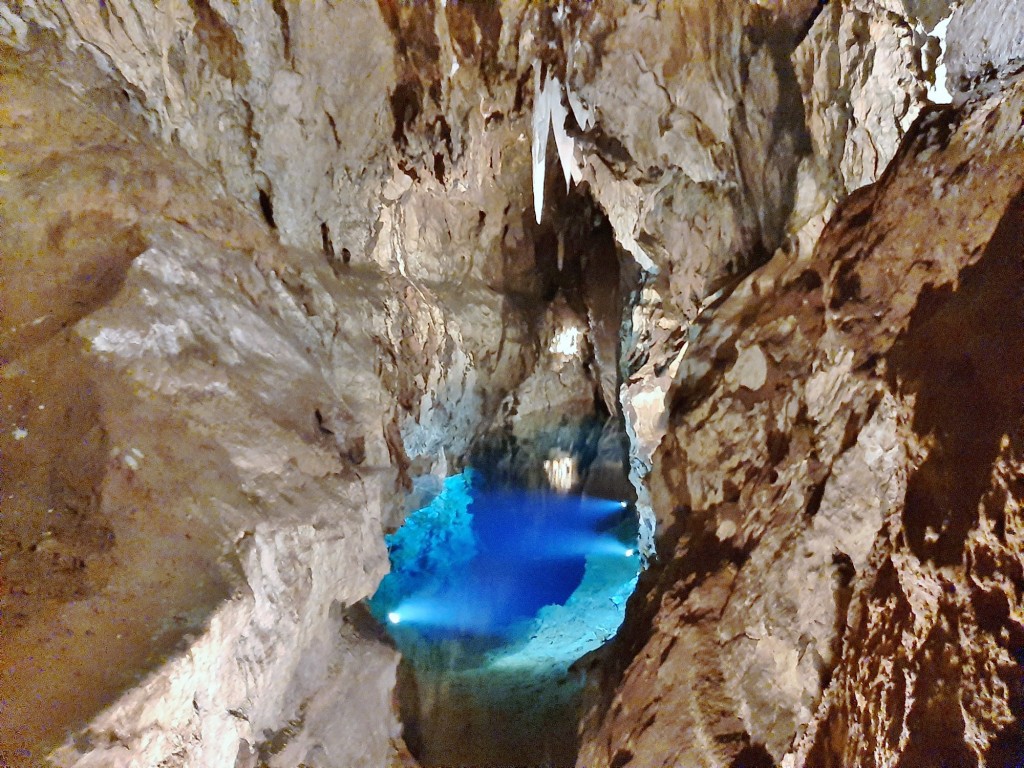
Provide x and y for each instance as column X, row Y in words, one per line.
column 264, row 263
column 835, row 495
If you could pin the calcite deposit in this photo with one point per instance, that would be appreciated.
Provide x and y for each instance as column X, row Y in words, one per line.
column 265, row 263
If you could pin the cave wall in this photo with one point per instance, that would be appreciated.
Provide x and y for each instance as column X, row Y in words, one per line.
column 196, row 460
column 321, row 274
column 835, row 492
column 287, row 327
column 713, row 143
column 344, row 124
column 756, row 120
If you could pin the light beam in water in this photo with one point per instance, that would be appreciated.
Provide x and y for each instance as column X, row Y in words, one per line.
column 578, row 545
column 479, row 561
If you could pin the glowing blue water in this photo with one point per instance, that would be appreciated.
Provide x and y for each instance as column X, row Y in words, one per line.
column 478, row 561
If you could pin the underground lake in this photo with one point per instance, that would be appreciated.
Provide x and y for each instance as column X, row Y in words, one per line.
column 495, row 593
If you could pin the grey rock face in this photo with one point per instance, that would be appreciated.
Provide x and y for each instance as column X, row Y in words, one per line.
column 985, row 43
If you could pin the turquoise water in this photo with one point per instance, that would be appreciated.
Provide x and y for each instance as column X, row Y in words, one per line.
column 491, row 562
column 493, row 594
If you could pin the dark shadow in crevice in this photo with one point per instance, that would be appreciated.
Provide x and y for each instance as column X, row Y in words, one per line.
column 768, row 169
column 266, row 207
column 1007, row 749
column 935, row 721
column 753, row 756
column 958, row 357
column 808, row 24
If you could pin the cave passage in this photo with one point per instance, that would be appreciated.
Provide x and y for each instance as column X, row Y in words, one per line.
column 494, row 593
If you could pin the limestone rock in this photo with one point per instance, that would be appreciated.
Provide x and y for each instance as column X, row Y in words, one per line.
column 236, row 413
column 984, row 44
column 818, row 599
column 550, row 415
column 265, row 263
column 695, row 184
column 241, row 88
column 234, row 494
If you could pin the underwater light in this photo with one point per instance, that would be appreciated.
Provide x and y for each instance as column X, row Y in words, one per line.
column 477, row 561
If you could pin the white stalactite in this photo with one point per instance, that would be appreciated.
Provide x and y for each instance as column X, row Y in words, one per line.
column 563, row 141
column 541, row 121
column 584, row 114
column 550, row 112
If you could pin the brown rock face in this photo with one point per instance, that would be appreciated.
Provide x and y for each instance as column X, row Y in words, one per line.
column 155, row 341
column 838, row 580
column 205, row 433
column 262, row 263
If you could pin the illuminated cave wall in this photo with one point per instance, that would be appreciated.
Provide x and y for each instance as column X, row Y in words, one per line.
column 282, row 259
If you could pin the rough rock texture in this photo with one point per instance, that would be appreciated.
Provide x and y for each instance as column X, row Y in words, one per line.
column 551, row 413
column 239, row 86
column 375, row 346
column 201, row 432
column 838, row 579
column 206, row 437
column 984, row 44
column 753, row 122
column 353, row 165
column 266, row 262
column 694, row 187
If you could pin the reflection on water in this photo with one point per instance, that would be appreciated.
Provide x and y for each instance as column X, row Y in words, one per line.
column 493, row 594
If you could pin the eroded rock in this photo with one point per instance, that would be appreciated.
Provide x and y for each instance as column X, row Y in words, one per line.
column 816, row 601
column 832, row 440
column 237, row 412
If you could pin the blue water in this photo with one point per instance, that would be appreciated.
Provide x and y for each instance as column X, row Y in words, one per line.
column 479, row 561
